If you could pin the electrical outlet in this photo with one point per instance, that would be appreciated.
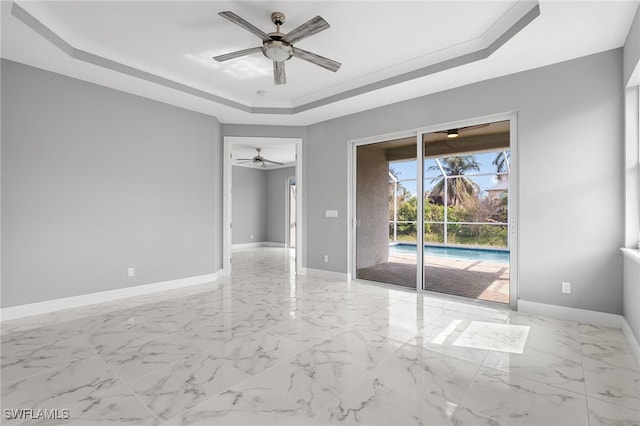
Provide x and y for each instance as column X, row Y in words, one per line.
column 131, row 272
column 566, row 287
column 251, row 236
column 326, row 258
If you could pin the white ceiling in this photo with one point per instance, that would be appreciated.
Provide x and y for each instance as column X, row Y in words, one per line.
column 168, row 45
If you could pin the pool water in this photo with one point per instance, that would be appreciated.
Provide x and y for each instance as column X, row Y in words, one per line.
column 499, row 256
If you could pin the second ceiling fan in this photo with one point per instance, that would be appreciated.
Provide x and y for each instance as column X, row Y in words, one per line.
column 259, row 160
column 278, row 46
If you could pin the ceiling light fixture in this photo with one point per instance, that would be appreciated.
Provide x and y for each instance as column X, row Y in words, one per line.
column 453, row 133
column 277, row 51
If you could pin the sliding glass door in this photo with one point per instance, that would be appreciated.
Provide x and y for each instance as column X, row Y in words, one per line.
column 387, row 220
column 441, row 224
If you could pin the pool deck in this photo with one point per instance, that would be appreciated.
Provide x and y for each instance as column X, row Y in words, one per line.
column 469, row 278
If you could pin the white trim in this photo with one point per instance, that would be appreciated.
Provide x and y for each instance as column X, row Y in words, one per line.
column 572, row 314
column 633, row 254
column 329, row 275
column 634, row 344
column 256, row 245
column 226, row 207
column 21, row 311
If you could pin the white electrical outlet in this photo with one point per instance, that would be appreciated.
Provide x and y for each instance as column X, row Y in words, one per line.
column 566, row 287
column 131, row 272
column 326, row 258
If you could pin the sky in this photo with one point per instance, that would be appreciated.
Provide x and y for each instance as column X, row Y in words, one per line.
column 407, row 170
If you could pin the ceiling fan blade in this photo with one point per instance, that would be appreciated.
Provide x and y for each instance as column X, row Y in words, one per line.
column 272, row 162
column 279, row 76
column 309, row 28
column 239, row 53
column 244, row 24
column 243, row 162
column 327, row 63
column 244, row 159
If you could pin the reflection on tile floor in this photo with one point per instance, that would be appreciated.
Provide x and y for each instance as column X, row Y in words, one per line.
column 265, row 347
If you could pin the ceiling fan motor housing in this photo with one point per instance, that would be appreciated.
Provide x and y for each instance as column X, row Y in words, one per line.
column 277, row 50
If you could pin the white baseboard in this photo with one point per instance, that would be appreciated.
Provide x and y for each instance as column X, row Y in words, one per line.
column 572, row 314
column 256, row 245
column 632, row 339
column 21, row 311
column 330, row 275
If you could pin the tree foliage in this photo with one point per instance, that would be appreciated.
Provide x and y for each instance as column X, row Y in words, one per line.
column 461, row 189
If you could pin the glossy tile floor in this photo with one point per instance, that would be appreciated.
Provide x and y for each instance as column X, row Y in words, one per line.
column 265, row 348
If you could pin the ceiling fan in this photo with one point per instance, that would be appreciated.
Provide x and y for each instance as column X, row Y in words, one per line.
column 278, row 46
column 258, row 159
column 454, row 133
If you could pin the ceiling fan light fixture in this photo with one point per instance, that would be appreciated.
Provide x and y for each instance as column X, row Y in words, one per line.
column 277, row 51
column 453, row 133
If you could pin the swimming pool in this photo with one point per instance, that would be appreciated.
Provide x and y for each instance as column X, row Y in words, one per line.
column 499, row 256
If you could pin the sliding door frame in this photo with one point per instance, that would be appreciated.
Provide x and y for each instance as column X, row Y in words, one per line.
column 419, row 133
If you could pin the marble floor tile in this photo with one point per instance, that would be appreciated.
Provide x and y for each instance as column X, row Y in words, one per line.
column 604, row 414
column 116, row 406
column 139, row 359
column 615, row 385
column 304, row 331
column 542, row 365
column 29, row 323
column 120, row 338
column 378, row 401
column 590, row 333
column 357, row 346
column 494, row 337
column 246, row 405
column 257, row 352
column 521, row 401
column 437, row 374
column 612, row 354
column 55, row 388
column 19, row 363
column 313, row 377
column 170, row 391
column 33, row 338
column 389, row 326
column 465, row 417
column 264, row 346
column 441, row 339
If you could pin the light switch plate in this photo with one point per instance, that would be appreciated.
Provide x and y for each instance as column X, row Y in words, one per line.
column 331, row 213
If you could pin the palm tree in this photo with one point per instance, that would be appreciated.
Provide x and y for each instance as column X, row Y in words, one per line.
column 403, row 193
column 460, row 189
column 501, row 161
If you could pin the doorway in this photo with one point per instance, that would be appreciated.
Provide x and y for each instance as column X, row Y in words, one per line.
column 456, row 238
column 275, row 229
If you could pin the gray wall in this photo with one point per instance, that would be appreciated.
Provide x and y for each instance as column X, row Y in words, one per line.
column 94, row 181
column 248, row 205
column 631, row 308
column 277, row 193
column 258, row 209
column 570, row 170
